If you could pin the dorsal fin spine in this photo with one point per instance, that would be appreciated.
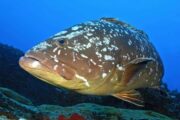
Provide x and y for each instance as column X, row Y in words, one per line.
column 130, row 27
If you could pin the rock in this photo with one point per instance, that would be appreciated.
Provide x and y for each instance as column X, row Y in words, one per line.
column 10, row 109
column 3, row 117
column 11, row 94
column 13, row 109
column 96, row 112
column 163, row 101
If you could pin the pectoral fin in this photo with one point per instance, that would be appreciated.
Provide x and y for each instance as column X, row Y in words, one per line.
column 131, row 96
column 133, row 68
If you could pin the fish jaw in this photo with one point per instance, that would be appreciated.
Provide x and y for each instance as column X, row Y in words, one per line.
column 35, row 67
column 31, row 63
column 42, row 72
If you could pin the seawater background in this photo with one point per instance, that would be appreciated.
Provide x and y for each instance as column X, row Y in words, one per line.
column 23, row 24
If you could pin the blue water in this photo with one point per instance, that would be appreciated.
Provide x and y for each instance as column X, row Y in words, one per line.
column 25, row 23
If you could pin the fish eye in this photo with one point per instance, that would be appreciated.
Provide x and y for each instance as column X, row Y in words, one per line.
column 61, row 42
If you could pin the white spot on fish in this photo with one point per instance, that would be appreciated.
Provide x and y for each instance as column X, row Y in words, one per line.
column 99, row 54
column 74, row 58
column 41, row 46
column 89, row 34
column 93, row 61
column 104, row 49
column 108, row 57
column 70, row 35
column 60, row 33
column 104, row 75
column 83, row 79
column 89, row 70
column 88, row 45
column 35, row 64
column 106, row 41
column 100, row 66
column 55, row 49
column 142, row 48
column 121, row 68
column 140, row 74
column 92, row 30
column 129, row 42
column 99, row 43
column 55, row 58
column 84, row 56
column 150, row 72
column 124, row 57
column 126, row 32
column 75, row 28
column 55, row 67
column 59, row 52
column 90, row 23
column 117, row 30
column 114, row 47
column 86, row 37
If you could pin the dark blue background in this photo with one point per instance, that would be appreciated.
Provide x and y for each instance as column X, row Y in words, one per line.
column 24, row 23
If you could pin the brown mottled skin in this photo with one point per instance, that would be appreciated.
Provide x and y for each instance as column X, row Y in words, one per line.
column 102, row 57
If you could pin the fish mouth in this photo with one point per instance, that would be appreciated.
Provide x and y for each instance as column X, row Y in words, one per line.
column 30, row 62
column 26, row 62
column 34, row 66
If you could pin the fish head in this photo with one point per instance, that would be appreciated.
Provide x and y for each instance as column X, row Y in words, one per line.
column 58, row 62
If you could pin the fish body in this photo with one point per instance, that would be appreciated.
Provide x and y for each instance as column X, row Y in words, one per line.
column 100, row 57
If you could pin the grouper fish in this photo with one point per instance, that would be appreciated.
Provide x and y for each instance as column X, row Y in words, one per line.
column 99, row 57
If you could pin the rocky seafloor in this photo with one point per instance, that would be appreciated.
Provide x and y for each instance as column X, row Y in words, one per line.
column 23, row 97
column 16, row 107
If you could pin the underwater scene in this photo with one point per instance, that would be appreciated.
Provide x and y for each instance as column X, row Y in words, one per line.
column 89, row 60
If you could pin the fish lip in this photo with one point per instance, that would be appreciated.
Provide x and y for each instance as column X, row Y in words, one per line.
column 32, row 57
column 22, row 61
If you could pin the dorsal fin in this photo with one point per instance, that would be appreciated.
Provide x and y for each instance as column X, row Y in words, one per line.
column 116, row 21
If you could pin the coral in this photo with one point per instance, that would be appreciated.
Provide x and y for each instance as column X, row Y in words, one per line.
column 74, row 116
